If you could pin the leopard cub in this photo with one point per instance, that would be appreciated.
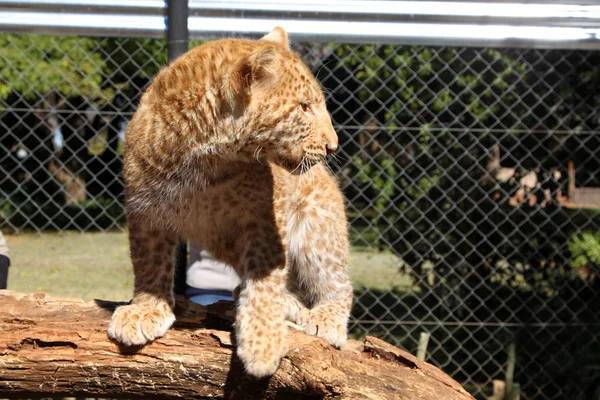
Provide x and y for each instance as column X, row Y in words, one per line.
column 227, row 149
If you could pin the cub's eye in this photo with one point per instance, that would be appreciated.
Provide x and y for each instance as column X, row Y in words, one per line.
column 306, row 108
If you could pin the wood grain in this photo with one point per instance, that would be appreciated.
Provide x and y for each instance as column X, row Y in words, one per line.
column 52, row 346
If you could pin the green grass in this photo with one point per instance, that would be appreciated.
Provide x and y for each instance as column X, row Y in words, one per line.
column 97, row 266
column 380, row 271
column 88, row 266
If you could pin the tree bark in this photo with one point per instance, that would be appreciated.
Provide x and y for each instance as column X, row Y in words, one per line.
column 52, row 346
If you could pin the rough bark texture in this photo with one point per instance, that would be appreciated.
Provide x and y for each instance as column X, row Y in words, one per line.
column 53, row 346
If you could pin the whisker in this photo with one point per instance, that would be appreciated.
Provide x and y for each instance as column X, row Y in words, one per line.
column 335, row 159
column 304, row 165
column 257, row 153
column 298, row 166
column 323, row 64
column 338, row 157
column 301, row 171
column 328, row 166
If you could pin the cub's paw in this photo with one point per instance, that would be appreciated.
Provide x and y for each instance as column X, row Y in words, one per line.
column 259, row 365
column 138, row 324
column 329, row 323
column 298, row 315
column 261, row 354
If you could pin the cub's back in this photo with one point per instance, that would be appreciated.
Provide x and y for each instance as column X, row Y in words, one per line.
column 201, row 67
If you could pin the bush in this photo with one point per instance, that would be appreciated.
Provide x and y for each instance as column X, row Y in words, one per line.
column 90, row 215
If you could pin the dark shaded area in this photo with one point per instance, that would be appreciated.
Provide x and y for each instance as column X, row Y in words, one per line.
column 490, row 256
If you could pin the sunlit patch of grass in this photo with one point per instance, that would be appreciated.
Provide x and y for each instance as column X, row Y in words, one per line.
column 97, row 265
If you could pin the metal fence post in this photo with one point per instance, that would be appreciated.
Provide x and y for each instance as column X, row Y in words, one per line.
column 177, row 28
column 177, row 42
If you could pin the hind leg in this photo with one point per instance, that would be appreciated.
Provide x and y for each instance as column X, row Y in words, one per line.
column 322, row 270
column 150, row 313
column 331, row 304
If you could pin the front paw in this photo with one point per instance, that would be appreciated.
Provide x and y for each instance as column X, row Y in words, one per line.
column 261, row 357
column 329, row 323
column 260, row 344
column 258, row 364
column 138, row 324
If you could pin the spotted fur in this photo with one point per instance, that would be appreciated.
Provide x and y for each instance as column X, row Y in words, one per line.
column 227, row 149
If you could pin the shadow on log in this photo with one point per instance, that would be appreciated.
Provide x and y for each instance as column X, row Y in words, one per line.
column 52, row 346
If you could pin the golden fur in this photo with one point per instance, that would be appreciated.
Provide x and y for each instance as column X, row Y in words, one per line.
column 226, row 149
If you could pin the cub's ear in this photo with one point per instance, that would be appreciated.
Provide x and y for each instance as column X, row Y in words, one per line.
column 278, row 36
column 257, row 71
column 263, row 65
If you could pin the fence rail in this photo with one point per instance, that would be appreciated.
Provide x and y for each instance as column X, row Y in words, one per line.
column 471, row 173
column 438, row 23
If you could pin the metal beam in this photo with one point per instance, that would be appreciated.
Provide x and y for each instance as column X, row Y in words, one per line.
column 538, row 24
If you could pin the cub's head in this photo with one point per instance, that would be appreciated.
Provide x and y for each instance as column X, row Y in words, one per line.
column 290, row 122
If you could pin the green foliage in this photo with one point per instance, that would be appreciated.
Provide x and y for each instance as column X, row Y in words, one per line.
column 380, row 176
column 35, row 64
column 408, row 79
column 75, row 66
column 585, row 249
column 83, row 70
column 414, row 81
column 426, row 187
column 527, row 278
column 133, row 57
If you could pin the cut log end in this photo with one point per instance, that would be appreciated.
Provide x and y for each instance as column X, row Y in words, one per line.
column 53, row 346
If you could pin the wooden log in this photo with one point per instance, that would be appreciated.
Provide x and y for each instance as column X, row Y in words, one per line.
column 52, row 346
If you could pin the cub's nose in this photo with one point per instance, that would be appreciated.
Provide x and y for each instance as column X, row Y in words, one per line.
column 330, row 149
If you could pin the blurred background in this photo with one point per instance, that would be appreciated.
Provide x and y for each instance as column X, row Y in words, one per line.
column 469, row 135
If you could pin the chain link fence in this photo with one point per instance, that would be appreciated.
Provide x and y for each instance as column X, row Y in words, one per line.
column 471, row 177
